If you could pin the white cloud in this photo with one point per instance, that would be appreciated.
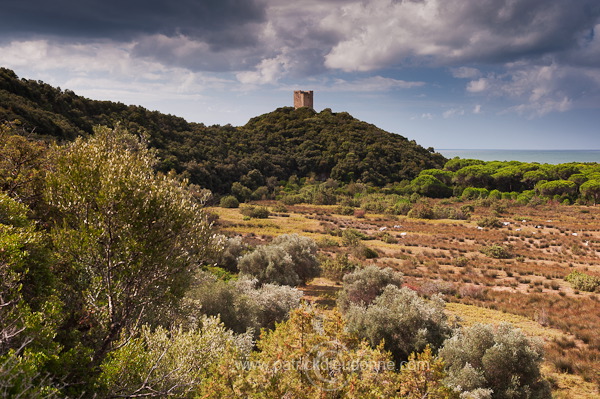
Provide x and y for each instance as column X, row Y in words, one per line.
column 453, row 112
column 543, row 106
column 371, row 84
column 477, row 109
column 465, row 73
column 105, row 71
column 541, row 89
column 268, row 71
column 477, row 86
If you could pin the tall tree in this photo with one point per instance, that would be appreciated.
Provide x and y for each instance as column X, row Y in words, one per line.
column 128, row 238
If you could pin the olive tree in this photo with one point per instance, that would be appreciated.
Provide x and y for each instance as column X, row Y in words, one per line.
column 499, row 360
column 405, row 322
column 362, row 286
column 129, row 239
column 289, row 260
column 240, row 304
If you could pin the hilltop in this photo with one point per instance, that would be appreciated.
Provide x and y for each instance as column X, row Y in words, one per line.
column 279, row 144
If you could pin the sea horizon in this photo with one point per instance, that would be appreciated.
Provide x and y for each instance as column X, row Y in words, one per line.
column 525, row 155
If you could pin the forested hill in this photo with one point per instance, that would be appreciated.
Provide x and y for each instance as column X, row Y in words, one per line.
column 279, row 144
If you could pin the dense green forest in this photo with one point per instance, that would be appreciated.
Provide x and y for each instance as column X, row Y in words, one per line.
column 279, row 144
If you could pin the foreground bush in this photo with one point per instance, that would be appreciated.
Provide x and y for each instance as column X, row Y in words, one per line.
column 311, row 355
column 405, row 322
column 499, row 360
column 362, row 286
column 288, row 260
column 240, row 304
column 162, row 363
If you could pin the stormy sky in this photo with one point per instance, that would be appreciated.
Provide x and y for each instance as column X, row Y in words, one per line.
column 447, row 73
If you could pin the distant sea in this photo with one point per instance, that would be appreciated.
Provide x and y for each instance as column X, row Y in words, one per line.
column 541, row 156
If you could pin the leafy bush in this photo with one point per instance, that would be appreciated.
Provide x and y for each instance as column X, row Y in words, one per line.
column 335, row 269
column 591, row 189
column 406, row 322
column 474, row 193
column 583, row 282
column 288, row 260
column 257, row 212
column 345, row 210
column 489, row 222
column 496, row 252
column 241, row 192
column 280, row 208
column 525, row 197
column 495, row 194
column 386, row 237
column 401, row 207
column 430, row 186
column 29, row 314
column 261, row 193
column 362, row 286
column 445, row 176
column 325, row 242
column 293, row 199
column 364, row 252
column 352, row 237
column 173, row 362
column 128, row 237
column 229, row 201
column 230, row 250
column 423, row 377
column 448, row 212
column 311, row 355
column 240, row 304
column 421, row 211
column 457, row 163
column 500, row 359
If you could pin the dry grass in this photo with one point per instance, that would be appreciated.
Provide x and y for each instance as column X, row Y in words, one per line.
column 545, row 244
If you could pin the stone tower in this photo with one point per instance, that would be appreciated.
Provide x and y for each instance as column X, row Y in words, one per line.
column 303, row 99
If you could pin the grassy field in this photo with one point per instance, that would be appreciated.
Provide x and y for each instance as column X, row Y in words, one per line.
column 514, row 272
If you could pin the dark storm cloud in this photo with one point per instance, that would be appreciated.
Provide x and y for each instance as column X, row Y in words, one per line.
column 275, row 39
column 534, row 28
column 222, row 23
column 381, row 33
